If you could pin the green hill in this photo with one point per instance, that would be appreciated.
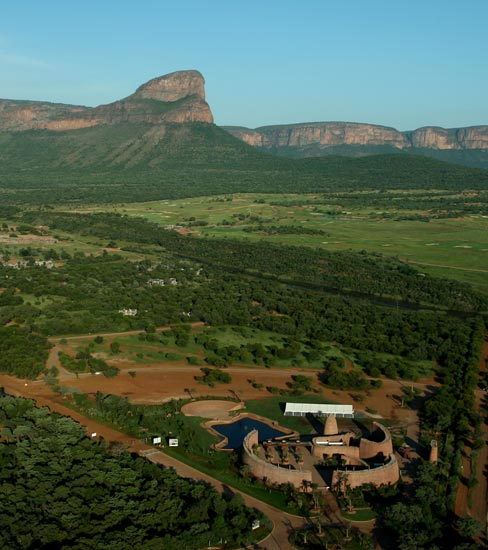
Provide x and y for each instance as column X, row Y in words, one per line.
column 143, row 161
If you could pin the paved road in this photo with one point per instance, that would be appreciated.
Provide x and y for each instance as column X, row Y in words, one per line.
column 282, row 522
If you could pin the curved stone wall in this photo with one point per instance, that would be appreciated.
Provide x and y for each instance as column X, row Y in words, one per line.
column 369, row 448
column 273, row 473
column 383, row 475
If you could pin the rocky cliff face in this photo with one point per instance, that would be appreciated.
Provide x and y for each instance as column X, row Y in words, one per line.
column 178, row 97
column 173, row 86
column 332, row 134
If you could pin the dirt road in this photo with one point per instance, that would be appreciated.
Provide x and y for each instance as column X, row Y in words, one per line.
column 478, row 508
column 115, row 334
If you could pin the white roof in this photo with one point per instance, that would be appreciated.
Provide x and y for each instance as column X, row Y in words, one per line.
column 316, row 408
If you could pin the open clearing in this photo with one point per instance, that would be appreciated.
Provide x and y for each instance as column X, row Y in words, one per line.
column 157, row 382
column 215, row 408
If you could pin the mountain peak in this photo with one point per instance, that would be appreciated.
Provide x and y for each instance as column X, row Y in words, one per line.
column 177, row 97
column 173, row 86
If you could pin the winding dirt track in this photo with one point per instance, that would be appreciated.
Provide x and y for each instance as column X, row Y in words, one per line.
column 115, row 334
column 478, row 508
column 282, row 522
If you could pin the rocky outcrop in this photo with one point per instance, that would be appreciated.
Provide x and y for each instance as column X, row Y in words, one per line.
column 173, row 86
column 33, row 115
column 178, row 97
column 434, row 137
column 324, row 135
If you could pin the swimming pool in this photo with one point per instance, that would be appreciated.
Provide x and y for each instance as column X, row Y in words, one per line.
column 237, row 431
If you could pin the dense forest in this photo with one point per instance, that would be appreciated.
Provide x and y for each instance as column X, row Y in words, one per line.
column 22, row 352
column 422, row 518
column 361, row 273
column 61, row 490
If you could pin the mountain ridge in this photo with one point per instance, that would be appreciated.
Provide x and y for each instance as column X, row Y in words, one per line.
column 356, row 133
column 468, row 145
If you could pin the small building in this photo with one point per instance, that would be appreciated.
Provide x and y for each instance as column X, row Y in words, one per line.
column 128, row 312
column 48, row 264
column 319, row 409
column 156, row 282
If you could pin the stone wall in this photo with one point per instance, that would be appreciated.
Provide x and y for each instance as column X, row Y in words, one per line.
column 273, row 473
column 383, row 475
column 329, row 450
column 369, row 448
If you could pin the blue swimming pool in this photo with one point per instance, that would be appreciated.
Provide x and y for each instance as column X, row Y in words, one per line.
column 237, row 431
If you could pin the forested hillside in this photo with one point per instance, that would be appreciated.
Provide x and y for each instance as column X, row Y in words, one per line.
column 138, row 161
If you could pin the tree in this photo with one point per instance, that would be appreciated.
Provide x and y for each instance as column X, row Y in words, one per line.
column 468, row 526
column 115, row 347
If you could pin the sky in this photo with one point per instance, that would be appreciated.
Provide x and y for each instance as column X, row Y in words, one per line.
column 396, row 63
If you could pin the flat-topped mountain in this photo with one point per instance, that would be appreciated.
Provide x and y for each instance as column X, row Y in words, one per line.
column 355, row 139
column 331, row 134
column 177, row 97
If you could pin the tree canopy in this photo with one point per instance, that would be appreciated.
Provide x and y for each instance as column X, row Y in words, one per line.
column 61, row 490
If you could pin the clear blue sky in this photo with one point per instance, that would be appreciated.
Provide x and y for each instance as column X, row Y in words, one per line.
column 399, row 63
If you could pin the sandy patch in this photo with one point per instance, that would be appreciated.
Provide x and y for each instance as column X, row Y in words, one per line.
column 215, row 409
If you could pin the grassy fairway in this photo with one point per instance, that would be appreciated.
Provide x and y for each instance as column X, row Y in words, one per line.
column 450, row 247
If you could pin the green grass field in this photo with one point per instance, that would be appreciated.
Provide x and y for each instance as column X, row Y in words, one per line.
column 364, row 514
column 273, row 408
column 456, row 248
column 67, row 242
column 141, row 351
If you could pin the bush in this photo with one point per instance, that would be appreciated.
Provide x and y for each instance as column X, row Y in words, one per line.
column 214, row 376
column 115, row 347
column 110, row 371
